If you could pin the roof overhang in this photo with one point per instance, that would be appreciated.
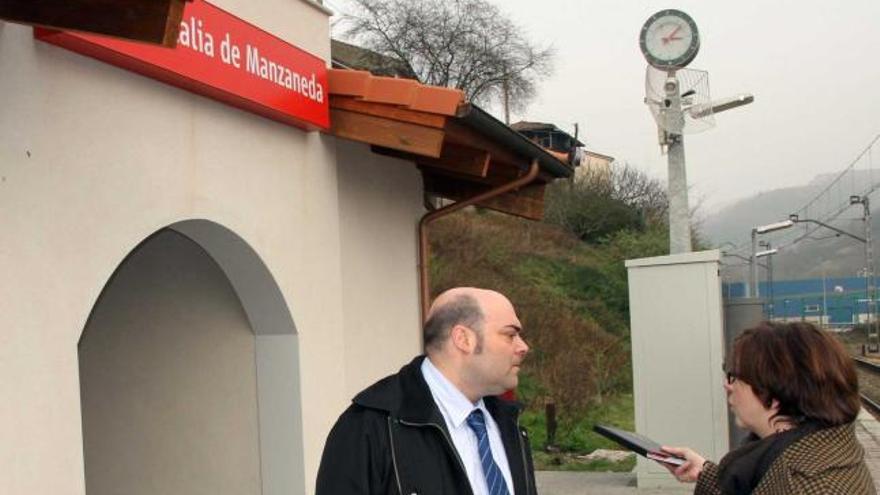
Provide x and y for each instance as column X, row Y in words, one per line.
column 150, row 21
column 460, row 149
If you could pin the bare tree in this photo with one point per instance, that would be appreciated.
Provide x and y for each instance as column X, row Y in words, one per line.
column 464, row 44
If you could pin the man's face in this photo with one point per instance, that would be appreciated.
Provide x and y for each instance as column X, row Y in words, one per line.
column 496, row 361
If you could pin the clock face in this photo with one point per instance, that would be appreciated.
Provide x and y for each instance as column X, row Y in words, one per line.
column 669, row 39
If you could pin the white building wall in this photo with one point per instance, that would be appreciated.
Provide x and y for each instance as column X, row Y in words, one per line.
column 93, row 159
column 380, row 207
column 302, row 23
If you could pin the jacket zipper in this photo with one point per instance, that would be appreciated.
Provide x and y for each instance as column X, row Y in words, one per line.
column 522, row 451
column 394, row 458
column 445, row 436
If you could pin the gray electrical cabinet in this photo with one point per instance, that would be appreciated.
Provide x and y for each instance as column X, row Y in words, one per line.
column 676, row 320
column 739, row 314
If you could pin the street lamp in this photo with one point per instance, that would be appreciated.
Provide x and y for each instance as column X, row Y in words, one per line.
column 758, row 255
column 753, row 265
column 720, row 105
column 771, row 227
column 679, row 211
column 748, row 262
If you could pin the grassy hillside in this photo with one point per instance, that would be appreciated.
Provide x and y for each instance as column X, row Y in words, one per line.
column 572, row 299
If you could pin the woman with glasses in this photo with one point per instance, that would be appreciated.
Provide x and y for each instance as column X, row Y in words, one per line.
column 794, row 388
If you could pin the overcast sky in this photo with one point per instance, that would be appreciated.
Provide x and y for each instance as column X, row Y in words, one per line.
column 813, row 66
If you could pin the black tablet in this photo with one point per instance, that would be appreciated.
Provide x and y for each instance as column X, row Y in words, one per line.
column 637, row 443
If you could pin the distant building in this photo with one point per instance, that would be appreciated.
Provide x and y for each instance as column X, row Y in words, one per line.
column 547, row 135
column 347, row 56
column 562, row 143
column 836, row 302
column 594, row 161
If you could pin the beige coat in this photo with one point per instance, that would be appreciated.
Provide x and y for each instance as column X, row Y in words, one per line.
column 829, row 461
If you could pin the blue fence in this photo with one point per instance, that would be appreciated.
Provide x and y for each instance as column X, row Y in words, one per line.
column 835, row 301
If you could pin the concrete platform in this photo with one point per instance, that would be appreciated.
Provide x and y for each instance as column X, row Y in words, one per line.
column 579, row 483
column 868, row 433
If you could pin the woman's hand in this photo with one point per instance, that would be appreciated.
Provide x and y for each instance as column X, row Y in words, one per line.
column 692, row 467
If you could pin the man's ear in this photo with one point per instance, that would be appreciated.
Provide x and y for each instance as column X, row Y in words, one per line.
column 462, row 338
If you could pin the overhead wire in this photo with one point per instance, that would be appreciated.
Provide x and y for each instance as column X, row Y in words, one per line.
column 829, row 203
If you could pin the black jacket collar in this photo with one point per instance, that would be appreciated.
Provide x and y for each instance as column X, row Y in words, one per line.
column 406, row 396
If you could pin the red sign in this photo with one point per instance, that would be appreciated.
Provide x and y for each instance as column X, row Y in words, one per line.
column 225, row 58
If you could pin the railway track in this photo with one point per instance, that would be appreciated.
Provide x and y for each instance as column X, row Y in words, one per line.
column 869, row 384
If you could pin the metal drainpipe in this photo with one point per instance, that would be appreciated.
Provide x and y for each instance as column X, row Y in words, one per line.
column 446, row 210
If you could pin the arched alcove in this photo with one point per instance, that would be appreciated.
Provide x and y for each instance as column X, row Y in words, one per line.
column 189, row 372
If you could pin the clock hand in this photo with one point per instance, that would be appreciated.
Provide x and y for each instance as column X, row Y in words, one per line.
column 671, row 36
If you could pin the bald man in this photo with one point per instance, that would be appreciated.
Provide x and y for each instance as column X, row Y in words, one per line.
column 436, row 426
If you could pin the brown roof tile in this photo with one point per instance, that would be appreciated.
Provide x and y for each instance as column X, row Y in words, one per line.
column 433, row 99
column 395, row 91
column 347, row 82
column 390, row 90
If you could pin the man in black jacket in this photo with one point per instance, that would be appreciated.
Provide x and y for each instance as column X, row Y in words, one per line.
column 436, row 427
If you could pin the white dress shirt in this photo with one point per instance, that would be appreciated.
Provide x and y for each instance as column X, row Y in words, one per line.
column 455, row 408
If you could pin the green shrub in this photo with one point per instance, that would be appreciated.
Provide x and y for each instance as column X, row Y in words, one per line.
column 601, row 202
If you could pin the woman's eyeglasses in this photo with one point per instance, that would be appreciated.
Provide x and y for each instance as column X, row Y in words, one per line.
column 730, row 377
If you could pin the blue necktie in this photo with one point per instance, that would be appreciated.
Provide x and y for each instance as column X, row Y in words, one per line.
column 494, row 478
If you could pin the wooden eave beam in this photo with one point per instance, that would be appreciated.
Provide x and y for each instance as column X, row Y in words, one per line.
column 497, row 176
column 460, row 134
column 457, row 160
column 498, row 173
column 527, row 202
column 504, row 163
column 391, row 112
column 463, row 159
column 388, row 133
column 151, row 21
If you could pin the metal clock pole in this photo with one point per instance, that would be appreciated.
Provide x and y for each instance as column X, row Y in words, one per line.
column 679, row 210
column 669, row 40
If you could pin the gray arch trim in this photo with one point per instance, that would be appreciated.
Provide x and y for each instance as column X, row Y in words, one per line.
column 277, row 354
column 260, row 296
